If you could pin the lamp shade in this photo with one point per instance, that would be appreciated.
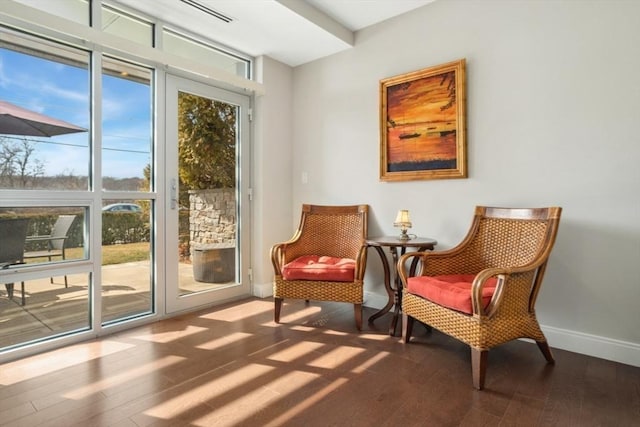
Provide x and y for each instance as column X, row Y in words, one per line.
column 402, row 218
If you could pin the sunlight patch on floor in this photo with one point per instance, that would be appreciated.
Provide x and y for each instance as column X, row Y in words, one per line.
column 166, row 337
column 292, row 382
column 307, row 403
column 123, row 377
column 269, row 347
column 239, row 312
column 336, row 357
column 243, row 407
column 208, row 391
column 225, row 340
column 364, row 366
column 300, row 328
column 376, row 337
column 299, row 314
column 334, row 332
column 294, row 352
column 66, row 357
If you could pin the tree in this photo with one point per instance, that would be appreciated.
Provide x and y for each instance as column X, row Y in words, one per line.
column 18, row 166
column 206, row 142
column 145, row 184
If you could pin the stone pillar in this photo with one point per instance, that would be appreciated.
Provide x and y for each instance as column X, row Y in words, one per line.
column 212, row 216
column 212, row 234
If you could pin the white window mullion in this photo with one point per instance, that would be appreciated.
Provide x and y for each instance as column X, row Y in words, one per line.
column 95, row 225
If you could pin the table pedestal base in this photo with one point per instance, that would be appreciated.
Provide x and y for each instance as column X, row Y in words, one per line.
column 395, row 294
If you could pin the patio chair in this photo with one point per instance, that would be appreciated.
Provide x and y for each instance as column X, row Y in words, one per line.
column 13, row 233
column 483, row 291
column 325, row 259
column 55, row 241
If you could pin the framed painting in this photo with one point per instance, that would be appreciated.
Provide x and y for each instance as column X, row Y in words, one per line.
column 423, row 124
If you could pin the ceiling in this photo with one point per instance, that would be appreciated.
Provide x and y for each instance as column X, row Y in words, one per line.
column 291, row 31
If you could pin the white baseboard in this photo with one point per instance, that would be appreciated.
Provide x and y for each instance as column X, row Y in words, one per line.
column 375, row 300
column 593, row 345
column 577, row 342
column 263, row 290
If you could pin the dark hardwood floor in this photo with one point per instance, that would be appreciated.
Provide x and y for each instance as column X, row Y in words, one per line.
column 232, row 366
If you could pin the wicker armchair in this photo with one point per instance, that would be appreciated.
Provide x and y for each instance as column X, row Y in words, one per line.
column 497, row 269
column 337, row 232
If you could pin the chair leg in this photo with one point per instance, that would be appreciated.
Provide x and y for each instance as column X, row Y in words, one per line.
column 478, row 366
column 9, row 287
column 22, row 289
column 277, row 307
column 66, row 284
column 407, row 327
column 546, row 351
column 357, row 309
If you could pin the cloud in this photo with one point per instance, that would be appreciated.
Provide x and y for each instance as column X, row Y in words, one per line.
column 62, row 91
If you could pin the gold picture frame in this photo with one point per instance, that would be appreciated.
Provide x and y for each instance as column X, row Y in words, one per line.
column 423, row 124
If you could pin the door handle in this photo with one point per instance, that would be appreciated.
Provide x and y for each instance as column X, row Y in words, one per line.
column 174, row 193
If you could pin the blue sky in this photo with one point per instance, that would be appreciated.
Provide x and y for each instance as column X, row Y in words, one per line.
column 62, row 91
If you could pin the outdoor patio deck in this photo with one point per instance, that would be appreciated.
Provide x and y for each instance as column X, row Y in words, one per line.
column 51, row 309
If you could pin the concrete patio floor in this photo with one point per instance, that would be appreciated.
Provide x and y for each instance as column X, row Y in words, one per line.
column 51, row 309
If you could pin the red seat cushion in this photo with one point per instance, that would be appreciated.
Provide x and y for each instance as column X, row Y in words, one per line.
column 317, row 267
column 451, row 291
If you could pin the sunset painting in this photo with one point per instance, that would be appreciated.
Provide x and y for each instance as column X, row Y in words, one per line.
column 423, row 128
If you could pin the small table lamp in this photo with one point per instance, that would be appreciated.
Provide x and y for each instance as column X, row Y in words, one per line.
column 403, row 221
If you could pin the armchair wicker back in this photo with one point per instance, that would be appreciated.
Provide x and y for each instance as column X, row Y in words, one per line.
column 511, row 246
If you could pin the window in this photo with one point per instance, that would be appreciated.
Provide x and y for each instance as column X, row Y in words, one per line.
column 125, row 25
column 126, row 126
column 44, row 134
column 41, row 303
column 178, row 44
column 127, row 287
column 93, row 170
column 74, row 10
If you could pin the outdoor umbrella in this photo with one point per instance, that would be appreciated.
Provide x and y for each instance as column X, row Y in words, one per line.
column 16, row 120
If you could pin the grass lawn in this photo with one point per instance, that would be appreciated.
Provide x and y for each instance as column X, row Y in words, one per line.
column 129, row 252
column 111, row 254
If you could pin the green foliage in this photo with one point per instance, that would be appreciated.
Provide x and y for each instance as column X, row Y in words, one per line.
column 121, row 227
column 117, row 227
column 206, row 142
column 145, row 185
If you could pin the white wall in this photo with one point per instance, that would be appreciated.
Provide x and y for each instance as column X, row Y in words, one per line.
column 271, row 206
column 553, row 107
